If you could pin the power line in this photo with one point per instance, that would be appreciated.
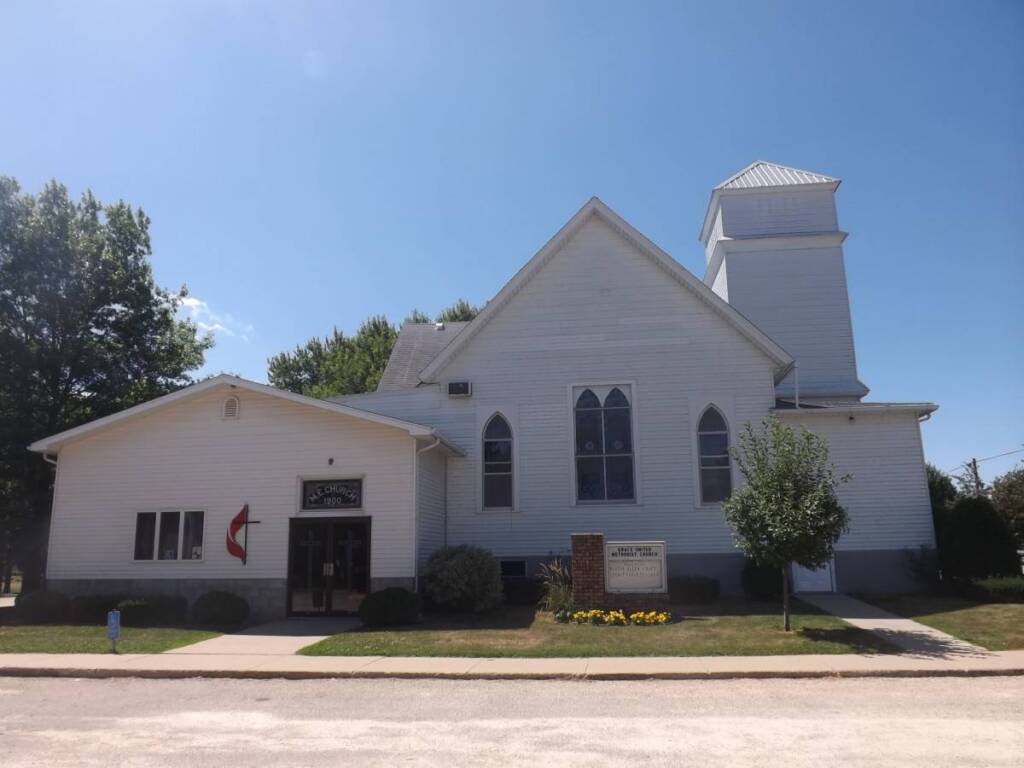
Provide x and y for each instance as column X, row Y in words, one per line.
column 987, row 458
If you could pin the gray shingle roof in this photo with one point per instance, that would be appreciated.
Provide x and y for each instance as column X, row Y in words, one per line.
column 416, row 346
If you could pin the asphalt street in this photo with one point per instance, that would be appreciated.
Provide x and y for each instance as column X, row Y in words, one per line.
column 867, row 722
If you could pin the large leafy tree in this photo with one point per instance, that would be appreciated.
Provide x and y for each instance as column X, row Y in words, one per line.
column 1008, row 497
column 460, row 311
column 788, row 511
column 349, row 365
column 84, row 332
column 943, row 494
column 336, row 365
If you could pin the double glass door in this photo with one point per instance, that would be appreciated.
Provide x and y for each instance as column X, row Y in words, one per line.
column 329, row 565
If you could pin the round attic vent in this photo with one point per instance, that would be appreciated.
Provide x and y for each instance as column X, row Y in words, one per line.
column 231, row 406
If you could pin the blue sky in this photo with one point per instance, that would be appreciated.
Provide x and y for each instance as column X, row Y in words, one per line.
column 306, row 165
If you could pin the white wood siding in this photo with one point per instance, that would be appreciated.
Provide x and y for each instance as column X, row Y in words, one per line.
column 430, row 502
column 887, row 496
column 778, row 212
column 799, row 298
column 599, row 311
column 187, row 456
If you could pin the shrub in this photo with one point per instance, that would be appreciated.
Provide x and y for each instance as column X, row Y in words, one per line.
column 977, row 543
column 220, row 609
column 463, row 578
column 523, row 591
column 390, row 607
column 761, row 582
column 93, row 609
column 1002, row 589
column 153, row 611
column 693, row 589
column 136, row 612
column 42, row 607
column 556, row 584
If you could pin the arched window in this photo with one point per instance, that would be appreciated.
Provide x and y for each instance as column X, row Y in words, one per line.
column 497, row 463
column 604, row 446
column 713, row 441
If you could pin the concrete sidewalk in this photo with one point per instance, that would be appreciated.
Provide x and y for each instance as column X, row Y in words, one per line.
column 278, row 638
column 907, row 634
column 168, row 665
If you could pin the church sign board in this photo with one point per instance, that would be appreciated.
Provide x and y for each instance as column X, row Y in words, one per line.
column 332, row 494
column 635, row 567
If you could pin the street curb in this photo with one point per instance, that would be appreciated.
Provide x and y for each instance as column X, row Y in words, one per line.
column 182, row 674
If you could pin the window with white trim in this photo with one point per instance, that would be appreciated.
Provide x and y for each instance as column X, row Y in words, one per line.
column 169, row 535
column 603, row 423
column 497, row 465
column 713, row 449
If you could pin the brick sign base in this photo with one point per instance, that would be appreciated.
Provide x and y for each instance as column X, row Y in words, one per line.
column 588, row 580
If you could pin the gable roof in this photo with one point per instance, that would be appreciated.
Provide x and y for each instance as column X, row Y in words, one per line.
column 761, row 174
column 56, row 442
column 595, row 207
column 416, row 346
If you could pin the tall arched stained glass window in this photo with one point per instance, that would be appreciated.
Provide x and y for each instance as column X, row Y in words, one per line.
column 604, row 445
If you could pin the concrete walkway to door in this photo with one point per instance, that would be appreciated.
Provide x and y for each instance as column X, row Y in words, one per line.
column 278, row 638
column 912, row 637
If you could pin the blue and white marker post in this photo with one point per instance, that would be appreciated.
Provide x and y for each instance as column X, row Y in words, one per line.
column 113, row 628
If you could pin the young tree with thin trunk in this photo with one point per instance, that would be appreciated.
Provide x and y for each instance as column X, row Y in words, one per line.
column 788, row 511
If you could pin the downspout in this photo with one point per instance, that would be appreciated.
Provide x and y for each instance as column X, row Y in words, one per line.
column 48, row 460
column 796, row 384
column 416, row 511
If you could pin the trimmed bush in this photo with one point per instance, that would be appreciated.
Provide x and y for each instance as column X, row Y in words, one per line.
column 92, row 609
column 977, row 543
column 1002, row 589
column 220, row 609
column 463, row 579
column 390, row 607
column 761, row 582
column 136, row 612
column 42, row 607
column 153, row 611
column 523, row 591
column 693, row 589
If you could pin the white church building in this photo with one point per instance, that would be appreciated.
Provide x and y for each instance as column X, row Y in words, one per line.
column 598, row 391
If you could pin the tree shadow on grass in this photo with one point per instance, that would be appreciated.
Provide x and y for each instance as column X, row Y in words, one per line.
column 859, row 640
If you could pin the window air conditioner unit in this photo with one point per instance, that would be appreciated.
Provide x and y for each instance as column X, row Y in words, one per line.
column 460, row 388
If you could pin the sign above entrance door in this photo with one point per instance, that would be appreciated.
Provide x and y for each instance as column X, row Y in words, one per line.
column 332, row 494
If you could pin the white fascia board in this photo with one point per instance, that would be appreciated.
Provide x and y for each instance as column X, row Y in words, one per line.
column 55, row 442
column 595, row 207
column 920, row 409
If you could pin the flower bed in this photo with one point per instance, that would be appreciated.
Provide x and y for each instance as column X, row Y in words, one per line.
column 598, row 617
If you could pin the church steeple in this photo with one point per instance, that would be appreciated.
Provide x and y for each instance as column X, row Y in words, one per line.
column 774, row 251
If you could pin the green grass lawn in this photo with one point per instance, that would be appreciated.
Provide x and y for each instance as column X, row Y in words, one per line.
column 996, row 626
column 725, row 628
column 55, row 638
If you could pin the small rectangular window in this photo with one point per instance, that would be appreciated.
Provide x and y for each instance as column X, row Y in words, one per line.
column 167, row 542
column 513, row 569
column 192, row 537
column 145, row 534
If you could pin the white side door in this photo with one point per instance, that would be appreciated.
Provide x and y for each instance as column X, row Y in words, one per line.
column 820, row 580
